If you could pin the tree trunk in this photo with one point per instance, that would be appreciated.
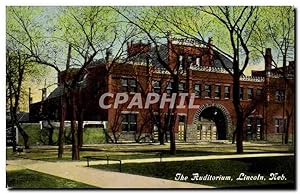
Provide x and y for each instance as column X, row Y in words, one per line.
column 61, row 137
column 61, row 133
column 233, row 137
column 286, row 139
column 172, row 141
column 108, row 138
column 239, row 136
column 24, row 135
column 51, row 130
column 74, row 130
column 238, row 111
column 165, row 135
column 50, row 136
column 80, row 128
column 287, row 126
column 115, row 137
column 161, row 136
column 14, row 143
column 16, row 123
column 171, row 128
column 172, row 118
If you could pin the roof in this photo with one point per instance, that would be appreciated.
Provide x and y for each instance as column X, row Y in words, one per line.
column 57, row 92
column 21, row 116
column 228, row 63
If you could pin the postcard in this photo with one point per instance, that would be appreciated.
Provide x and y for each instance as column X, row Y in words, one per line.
column 150, row 97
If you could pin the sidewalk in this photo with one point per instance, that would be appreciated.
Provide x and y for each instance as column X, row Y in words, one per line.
column 99, row 178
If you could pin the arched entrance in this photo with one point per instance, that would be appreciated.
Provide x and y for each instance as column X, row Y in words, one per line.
column 213, row 122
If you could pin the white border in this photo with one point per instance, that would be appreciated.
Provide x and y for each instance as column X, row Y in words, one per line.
column 114, row 2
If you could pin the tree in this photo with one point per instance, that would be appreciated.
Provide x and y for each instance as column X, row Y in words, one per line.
column 235, row 26
column 150, row 23
column 236, row 23
column 33, row 37
column 278, row 34
column 15, row 63
column 19, row 64
column 91, row 31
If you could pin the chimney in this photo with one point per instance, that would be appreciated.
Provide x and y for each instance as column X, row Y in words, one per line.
column 128, row 45
column 108, row 57
column 169, row 36
column 44, row 94
column 268, row 62
column 210, row 51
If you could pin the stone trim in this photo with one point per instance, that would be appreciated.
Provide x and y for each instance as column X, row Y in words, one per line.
column 226, row 113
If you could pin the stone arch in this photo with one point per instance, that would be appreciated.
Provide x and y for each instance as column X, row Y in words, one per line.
column 223, row 109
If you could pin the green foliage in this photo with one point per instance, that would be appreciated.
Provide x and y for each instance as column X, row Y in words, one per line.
column 23, row 33
column 275, row 30
column 90, row 135
column 32, row 131
column 93, row 136
column 17, row 19
column 27, row 179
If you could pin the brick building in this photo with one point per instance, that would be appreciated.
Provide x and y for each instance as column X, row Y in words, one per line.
column 266, row 97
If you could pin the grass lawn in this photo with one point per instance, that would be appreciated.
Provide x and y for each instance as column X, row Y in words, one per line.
column 90, row 135
column 225, row 167
column 27, row 179
column 133, row 151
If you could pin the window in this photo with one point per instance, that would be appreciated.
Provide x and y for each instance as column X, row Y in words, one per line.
column 156, row 86
column 169, row 119
column 217, row 91
column 169, row 88
column 124, row 85
column 258, row 92
column 207, row 91
column 249, row 124
column 250, row 127
column 190, row 60
column 129, row 122
column 180, row 60
column 241, row 93
column 250, row 93
column 181, row 63
column 129, row 85
column 181, row 118
column 198, row 61
column 279, row 128
column 227, row 92
column 279, row 95
column 258, row 128
column 197, row 90
column 181, row 87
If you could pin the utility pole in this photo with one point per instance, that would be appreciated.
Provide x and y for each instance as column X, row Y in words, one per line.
column 29, row 99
